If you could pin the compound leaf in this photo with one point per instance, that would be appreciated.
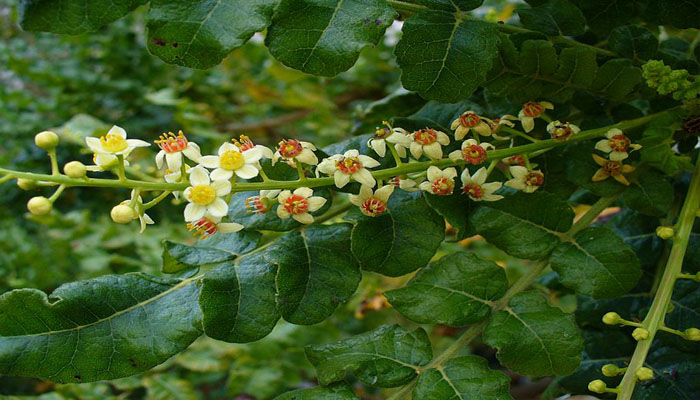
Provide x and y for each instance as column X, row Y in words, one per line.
column 339, row 391
column 554, row 17
column 72, row 17
column 463, row 378
column 214, row 249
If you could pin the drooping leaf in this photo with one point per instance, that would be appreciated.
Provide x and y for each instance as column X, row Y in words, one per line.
column 169, row 387
column 325, row 37
column 533, row 338
column 444, row 58
column 456, row 209
column 339, row 391
column 386, row 357
column 596, row 263
column 633, row 41
column 200, row 33
column 463, row 378
column 72, row 17
column 524, row 225
column 651, row 195
column 215, row 249
column 104, row 328
column 617, row 78
column 316, row 272
column 456, row 290
column 554, row 17
column 402, row 239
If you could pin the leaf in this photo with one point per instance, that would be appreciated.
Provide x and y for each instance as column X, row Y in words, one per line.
column 104, row 328
column 554, row 17
column 451, row 5
column 385, row 357
column 215, row 249
column 444, row 58
column 200, row 33
column 676, row 375
column 325, row 37
column 651, row 195
column 633, row 41
column 524, row 225
column 533, row 338
column 681, row 14
column 577, row 67
column 456, row 290
column 456, row 209
column 169, row 387
column 334, row 392
column 686, row 306
column 463, row 378
column 72, row 17
column 657, row 151
column 316, row 272
column 538, row 57
column 399, row 241
column 238, row 299
column 604, row 15
column 617, row 78
column 596, row 263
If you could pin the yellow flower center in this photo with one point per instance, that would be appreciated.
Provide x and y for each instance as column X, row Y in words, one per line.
column 202, row 195
column 113, row 143
column 231, row 160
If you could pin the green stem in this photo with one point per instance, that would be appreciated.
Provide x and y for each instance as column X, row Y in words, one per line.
column 6, row 178
column 54, row 162
column 300, row 172
column 121, row 173
column 156, row 200
column 518, row 133
column 395, row 154
column 589, row 216
column 659, row 307
column 57, row 193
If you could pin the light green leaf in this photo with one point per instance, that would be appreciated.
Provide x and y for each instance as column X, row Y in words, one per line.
column 596, row 263
column 533, row 338
column 386, row 357
column 633, row 41
column 316, row 272
column 657, row 151
column 200, row 33
column 463, row 378
column 402, row 239
column 617, row 78
column 70, row 16
column 334, row 392
column 105, row 328
column 651, row 195
column 554, row 17
column 215, row 249
column 444, row 58
column 325, row 37
column 456, row 290
column 524, row 225
column 169, row 387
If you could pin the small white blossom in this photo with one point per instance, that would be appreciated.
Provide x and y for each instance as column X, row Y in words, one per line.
column 292, row 149
column 440, row 182
column 467, row 121
column 349, row 165
column 230, row 160
column 173, row 148
column 428, row 141
column 611, row 168
column 210, row 224
column 562, row 130
column 532, row 110
column 114, row 142
column 524, row 179
column 299, row 204
column 617, row 144
column 204, row 196
column 372, row 203
column 475, row 187
column 471, row 152
column 386, row 134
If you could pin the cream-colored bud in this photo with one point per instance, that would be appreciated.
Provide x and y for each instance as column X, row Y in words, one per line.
column 46, row 140
column 640, row 334
column 665, row 232
column 597, row 386
column 611, row 318
column 26, row 184
column 75, row 169
column 644, row 374
column 123, row 214
column 39, row 205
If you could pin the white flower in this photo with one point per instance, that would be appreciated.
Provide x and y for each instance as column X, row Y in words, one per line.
column 475, row 187
column 299, row 204
column 291, row 150
column 471, row 152
column 210, row 224
column 524, row 179
column 392, row 135
column 610, row 168
column 561, row 130
column 440, row 182
column 173, row 147
column 617, row 144
column 144, row 219
column 496, row 123
column 532, row 110
column 403, row 184
column 114, row 142
column 246, row 144
column 428, row 141
column 231, row 160
column 349, row 165
column 204, row 196
column 372, row 203
column 104, row 162
column 262, row 203
column 467, row 121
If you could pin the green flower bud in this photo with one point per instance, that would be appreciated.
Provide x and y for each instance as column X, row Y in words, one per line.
column 26, row 184
column 597, row 386
column 75, row 169
column 612, row 318
column 46, row 140
column 123, row 214
column 39, row 205
column 665, row 232
column 692, row 334
column 644, row 374
column 610, row 370
column 640, row 334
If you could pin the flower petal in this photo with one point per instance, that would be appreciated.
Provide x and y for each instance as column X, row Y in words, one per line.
column 221, row 174
column 340, row 179
column 307, row 157
column 174, row 161
column 159, row 159
column 199, row 176
column 479, row 176
column 218, row 208
column 222, row 188
column 304, row 192
column 364, row 177
column 368, row 162
column 282, row 212
column 316, row 202
column 229, row 227
column 137, row 143
column 304, row 218
column 194, row 212
column 247, row 171
column 116, row 130
column 384, row 192
column 433, row 150
column 210, row 161
column 252, row 155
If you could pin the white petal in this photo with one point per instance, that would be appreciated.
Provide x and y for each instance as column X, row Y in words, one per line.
column 603, row 145
column 316, row 202
column 384, row 192
column 379, row 146
column 416, row 150
column 199, row 176
column 221, row 174
column 455, row 124
column 247, row 171
column 270, row 194
column 480, row 176
column 491, row 197
column 613, row 132
column 517, row 184
column 252, row 155
column 491, row 186
column 433, row 150
column 547, row 105
column 186, row 193
column 365, row 192
column 401, row 150
column 465, row 177
column 518, row 171
column 210, row 161
column 355, row 200
column 174, row 161
column 192, row 152
column 194, row 212
column 226, row 146
column 222, row 188
column 229, row 227
column 618, row 155
column 528, row 123
column 304, row 192
column 115, row 130
column 368, row 162
column 433, row 173
column 282, row 212
column 307, row 157
column 442, row 138
column 284, row 195
column 449, row 173
column 364, row 177
column 461, row 132
column 304, row 218
column 94, row 144
column 218, row 208
column 159, row 159
column 455, row 155
column 340, row 179
column 351, row 153
column 137, row 143
column 426, row 186
column 308, row 145
column 266, row 152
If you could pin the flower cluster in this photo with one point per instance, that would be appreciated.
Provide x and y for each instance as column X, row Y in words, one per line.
column 617, row 146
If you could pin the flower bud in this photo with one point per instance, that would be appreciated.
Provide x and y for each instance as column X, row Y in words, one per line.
column 611, row 318
column 665, row 232
column 39, row 205
column 46, row 140
column 123, row 214
column 644, row 374
column 610, row 370
column 26, row 184
column 75, row 169
column 597, row 386
column 692, row 334
column 640, row 334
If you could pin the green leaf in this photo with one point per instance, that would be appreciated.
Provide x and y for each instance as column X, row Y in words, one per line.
column 444, row 58
column 238, row 299
column 577, row 67
column 386, row 357
column 215, row 249
column 316, row 272
column 72, row 17
column 451, row 5
column 582, row 167
column 554, row 17
column 334, row 392
column 686, row 306
column 524, row 225
column 456, row 290
column 463, row 378
column 456, row 209
column 651, row 195
column 657, row 151
column 596, row 263
column 538, row 57
column 399, row 241
column 604, row 15
column 633, row 41
column 617, row 78
column 104, row 328
column 169, row 387
column 200, row 33
column 325, row 37
column 681, row 14
column 533, row 338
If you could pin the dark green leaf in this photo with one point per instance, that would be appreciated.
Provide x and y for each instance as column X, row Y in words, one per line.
column 657, row 151
column 604, row 15
column 633, row 41
column 463, row 378
column 105, row 328
column 577, row 67
column 325, row 37
column 596, row 263
column 72, row 17
column 169, row 387
column 450, row 5
column 686, row 306
column 681, row 14
column 456, row 209
column 200, row 33
column 590, row 311
column 554, row 17
column 386, row 357
column 335, row 392
column 456, row 290
column 617, row 78
column 533, row 338
column 215, row 249
column 652, row 194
